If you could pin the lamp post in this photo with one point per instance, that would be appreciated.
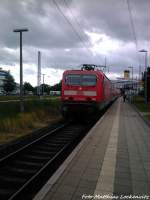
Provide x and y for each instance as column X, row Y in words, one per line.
column 145, row 77
column 21, row 66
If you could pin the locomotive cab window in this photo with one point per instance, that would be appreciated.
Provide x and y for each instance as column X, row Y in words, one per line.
column 89, row 80
column 82, row 80
column 72, row 79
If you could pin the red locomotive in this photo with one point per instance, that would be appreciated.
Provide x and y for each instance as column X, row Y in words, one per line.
column 87, row 90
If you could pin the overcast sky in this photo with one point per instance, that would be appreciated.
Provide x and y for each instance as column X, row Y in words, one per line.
column 72, row 32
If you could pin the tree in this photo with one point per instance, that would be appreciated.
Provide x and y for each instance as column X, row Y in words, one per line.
column 9, row 83
column 28, row 87
column 45, row 88
column 56, row 87
column 35, row 90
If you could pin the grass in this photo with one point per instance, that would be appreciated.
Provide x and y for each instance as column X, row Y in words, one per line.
column 142, row 107
column 29, row 97
column 15, row 97
column 140, row 104
column 38, row 113
column 12, row 109
column 147, row 117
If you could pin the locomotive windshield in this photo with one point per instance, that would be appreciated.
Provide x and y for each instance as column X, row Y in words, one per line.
column 73, row 79
column 89, row 80
column 82, row 80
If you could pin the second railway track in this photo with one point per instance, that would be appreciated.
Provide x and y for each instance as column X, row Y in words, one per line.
column 24, row 172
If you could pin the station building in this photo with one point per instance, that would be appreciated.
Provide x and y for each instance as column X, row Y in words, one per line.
column 3, row 74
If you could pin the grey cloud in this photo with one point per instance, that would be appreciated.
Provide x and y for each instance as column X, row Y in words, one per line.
column 112, row 17
column 29, row 71
column 47, row 28
column 50, row 33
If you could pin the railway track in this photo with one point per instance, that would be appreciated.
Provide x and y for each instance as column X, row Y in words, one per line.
column 24, row 172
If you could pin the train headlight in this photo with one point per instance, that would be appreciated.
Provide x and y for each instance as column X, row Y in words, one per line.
column 93, row 99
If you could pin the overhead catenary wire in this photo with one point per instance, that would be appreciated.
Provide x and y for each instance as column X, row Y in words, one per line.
column 72, row 26
column 133, row 29
column 79, row 25
column 74, row 18
column 132, row 23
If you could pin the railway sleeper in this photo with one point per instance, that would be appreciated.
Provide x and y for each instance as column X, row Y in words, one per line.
column 6, row 193
column 26, row 164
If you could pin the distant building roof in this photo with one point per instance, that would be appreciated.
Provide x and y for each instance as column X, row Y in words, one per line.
column 3, row 72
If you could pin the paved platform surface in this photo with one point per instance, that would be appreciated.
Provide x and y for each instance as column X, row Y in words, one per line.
column 113, row 160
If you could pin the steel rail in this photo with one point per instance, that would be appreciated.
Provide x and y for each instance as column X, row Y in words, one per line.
column 33, row 142
column 32, row 163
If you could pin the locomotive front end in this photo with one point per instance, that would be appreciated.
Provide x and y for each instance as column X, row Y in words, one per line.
column 79, row 92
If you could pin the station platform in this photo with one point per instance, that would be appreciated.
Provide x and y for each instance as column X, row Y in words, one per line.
column 113, row 160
